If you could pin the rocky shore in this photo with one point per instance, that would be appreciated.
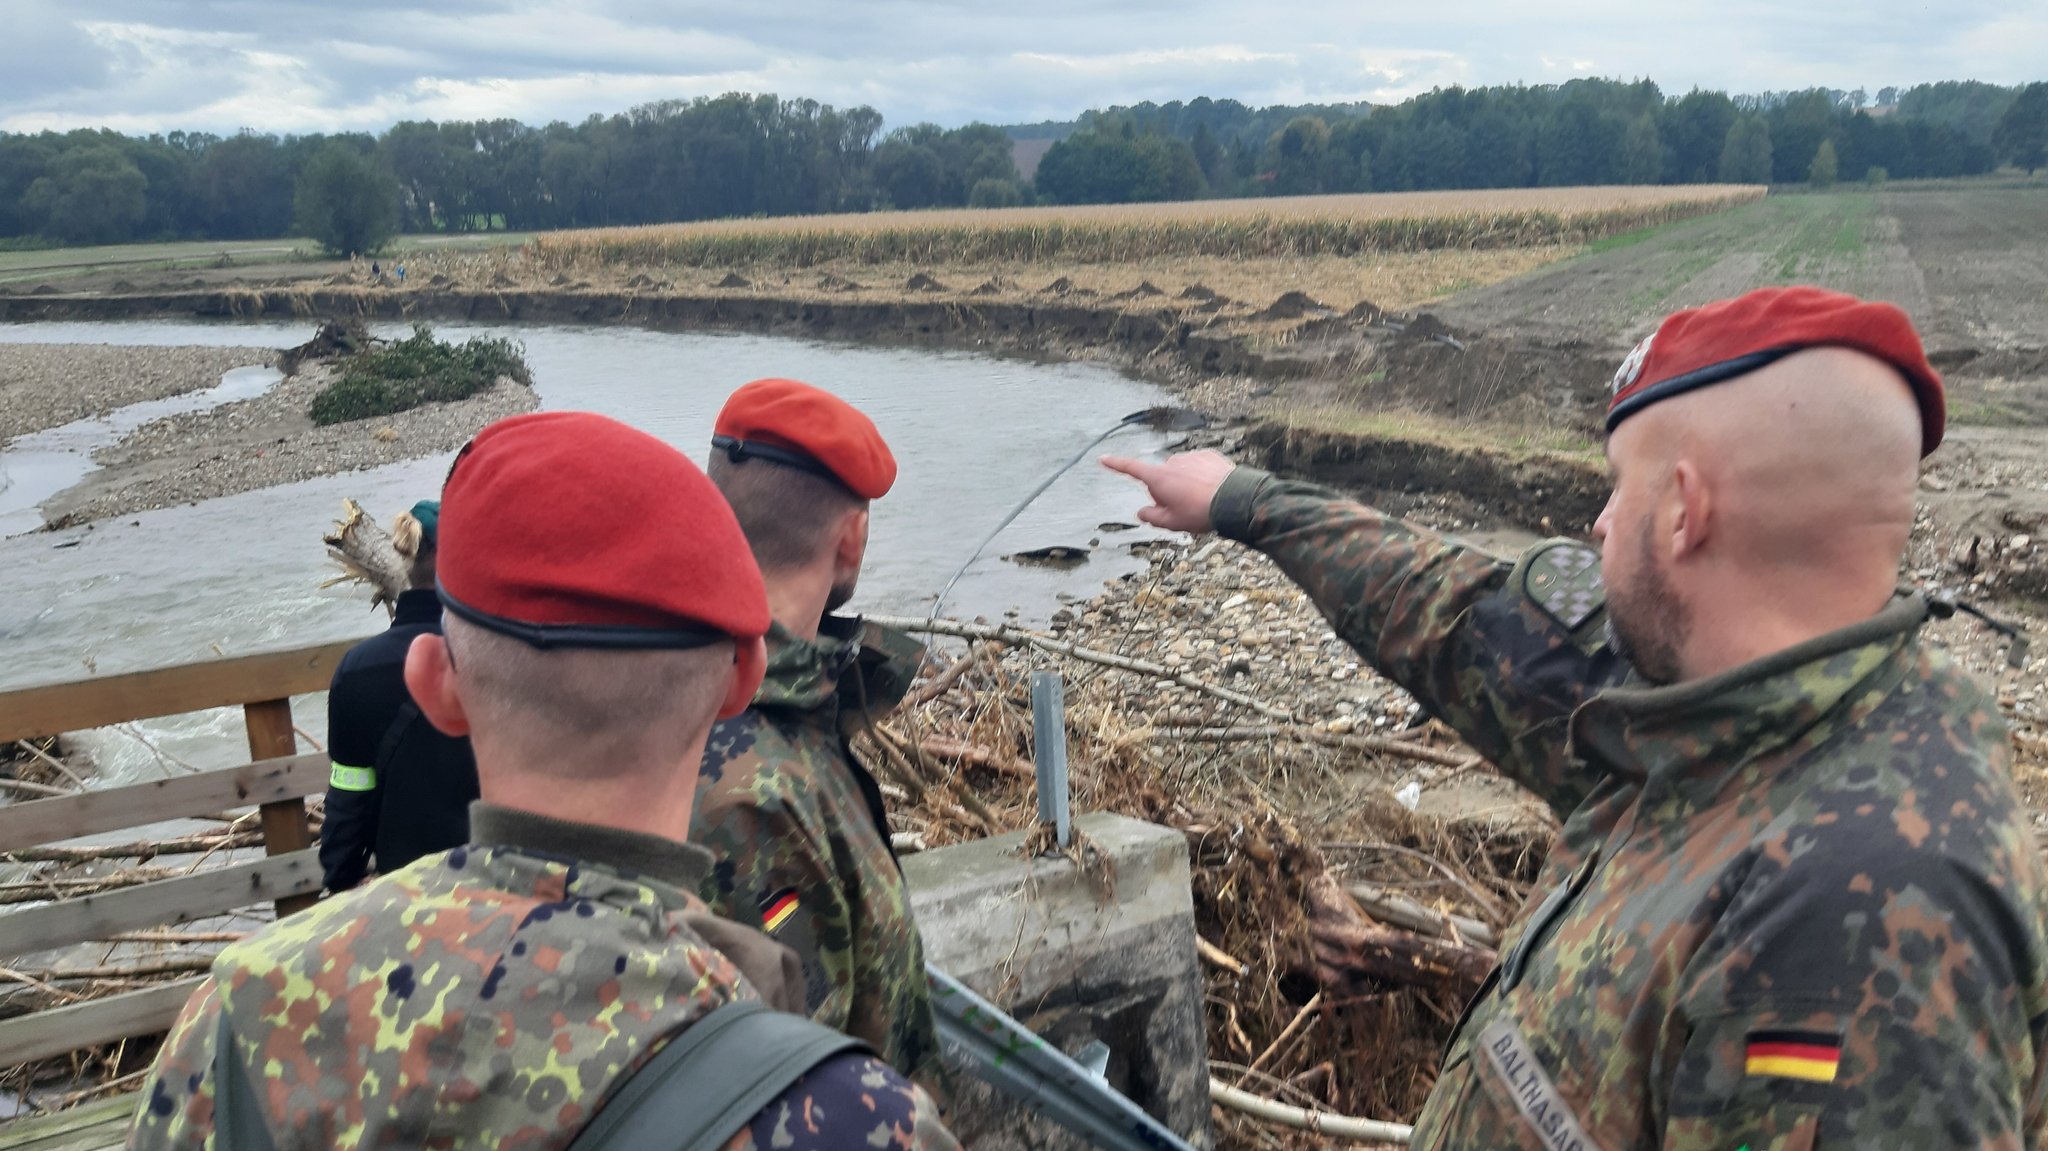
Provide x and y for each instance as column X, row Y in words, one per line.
column 266, row 441
column 47, row 385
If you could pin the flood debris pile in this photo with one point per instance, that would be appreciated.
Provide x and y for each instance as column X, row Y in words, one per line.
column 382, row 380
column 1353, row 865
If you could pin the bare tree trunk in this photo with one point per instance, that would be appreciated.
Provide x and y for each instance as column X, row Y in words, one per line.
column 363, row 551
column 1353, row 951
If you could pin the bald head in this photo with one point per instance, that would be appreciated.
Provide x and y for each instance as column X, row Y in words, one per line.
column 1775, row 503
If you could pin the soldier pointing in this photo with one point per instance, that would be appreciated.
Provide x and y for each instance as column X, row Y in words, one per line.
column 603, row 612
column 1795, row 902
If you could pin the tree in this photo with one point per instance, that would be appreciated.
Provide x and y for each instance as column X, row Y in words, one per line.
column 1821, row 173
column 1746, row 153
column 345, row 203
column 1642, row 152
column 993, row 192
column 2021, row 137
column 91, row 195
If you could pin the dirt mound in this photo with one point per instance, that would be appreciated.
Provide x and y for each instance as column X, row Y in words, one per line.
column 1145, row 290
column 499, row 280
column 1365, row 312
column 1059, row 287
column 923, row 282
column 831, row 283
column 994, row 285
column 557, row 280
column 1293, row 306
column 1197, row 292
column 42, row 290
column 734, row 280
column 439, row 281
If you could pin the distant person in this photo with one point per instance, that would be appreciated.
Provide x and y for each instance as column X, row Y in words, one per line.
column 1794, row 902
column 376, row 270
column 398, row 789
column 510, row 994
column 794, row 818
column 400, row 270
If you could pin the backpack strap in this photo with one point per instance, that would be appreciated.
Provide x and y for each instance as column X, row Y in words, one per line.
column 401, row 723
column 711, row 1079
column 238, row 1123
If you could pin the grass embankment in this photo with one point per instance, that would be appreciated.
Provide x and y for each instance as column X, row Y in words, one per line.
column 419, row 369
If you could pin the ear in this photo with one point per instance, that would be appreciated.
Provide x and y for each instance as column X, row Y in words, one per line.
column 1695, row 510
column 851, row 547
column 430, row 677
column 749, row 664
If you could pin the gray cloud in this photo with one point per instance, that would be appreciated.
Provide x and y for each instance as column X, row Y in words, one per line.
column 221, row 65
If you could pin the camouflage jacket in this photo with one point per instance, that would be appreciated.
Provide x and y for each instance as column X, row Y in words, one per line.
column 1793, row 905
column 797, row 826
column 491, row 996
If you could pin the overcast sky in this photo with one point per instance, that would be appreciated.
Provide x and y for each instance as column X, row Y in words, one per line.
column 289, row 66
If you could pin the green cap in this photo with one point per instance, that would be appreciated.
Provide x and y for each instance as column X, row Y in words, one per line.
column 428, row 512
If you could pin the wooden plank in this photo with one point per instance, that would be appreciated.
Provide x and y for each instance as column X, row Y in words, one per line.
column 285, row 829
column 44, row 821
column 59, row 1030
column 181, row 900
column 54, row 709
column 99, row 1126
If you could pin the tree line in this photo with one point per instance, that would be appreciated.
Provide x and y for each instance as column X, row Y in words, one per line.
column 760, row 155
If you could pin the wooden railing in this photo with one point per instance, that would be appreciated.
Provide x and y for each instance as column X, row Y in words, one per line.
column 276, row 781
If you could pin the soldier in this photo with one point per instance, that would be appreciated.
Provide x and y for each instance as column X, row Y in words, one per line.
column 498, row 995
column 795, row 820
column 398, row 789
column 1795, row 902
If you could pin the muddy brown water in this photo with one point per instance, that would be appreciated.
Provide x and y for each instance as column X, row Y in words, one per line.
column 243, row 573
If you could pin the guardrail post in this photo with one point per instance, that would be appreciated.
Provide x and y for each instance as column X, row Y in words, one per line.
column 285, row 828
column 1049, row 749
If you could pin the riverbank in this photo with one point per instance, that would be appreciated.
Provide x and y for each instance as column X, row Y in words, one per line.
column 267, row 441
column 48, row 385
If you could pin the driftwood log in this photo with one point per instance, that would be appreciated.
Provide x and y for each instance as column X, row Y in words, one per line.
column 362, row 550
column 1355, row 954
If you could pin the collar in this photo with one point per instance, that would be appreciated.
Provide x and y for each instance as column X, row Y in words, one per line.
column 680, row 865
column 416, row 606
column 1706, row 727
column 804, row 674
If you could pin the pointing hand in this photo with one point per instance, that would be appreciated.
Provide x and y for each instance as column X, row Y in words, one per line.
column 1182, row 487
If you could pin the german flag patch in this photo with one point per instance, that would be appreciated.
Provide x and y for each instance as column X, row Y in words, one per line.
column 777, row 908
column 1811, row 1056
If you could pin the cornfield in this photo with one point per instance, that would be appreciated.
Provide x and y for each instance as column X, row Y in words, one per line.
column 1239, row 229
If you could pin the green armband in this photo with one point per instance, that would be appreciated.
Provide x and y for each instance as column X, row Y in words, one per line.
column 342, row 777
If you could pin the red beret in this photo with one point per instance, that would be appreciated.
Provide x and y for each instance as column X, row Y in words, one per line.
column 1723, row 340
column 807, row 428
column 570, row 529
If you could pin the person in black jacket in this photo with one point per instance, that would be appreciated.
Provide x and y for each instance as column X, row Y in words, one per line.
column 399, row 789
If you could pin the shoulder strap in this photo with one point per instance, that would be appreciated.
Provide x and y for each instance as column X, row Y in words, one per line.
column 238, row 1123
column 714, row 1076
column 400, row 724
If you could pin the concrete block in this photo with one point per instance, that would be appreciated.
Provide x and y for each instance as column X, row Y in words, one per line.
column 1108, row 954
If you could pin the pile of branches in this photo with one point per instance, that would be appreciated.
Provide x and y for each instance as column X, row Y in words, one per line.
column 1340, row 932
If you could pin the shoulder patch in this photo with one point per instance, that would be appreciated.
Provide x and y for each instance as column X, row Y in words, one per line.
column 1562, row 579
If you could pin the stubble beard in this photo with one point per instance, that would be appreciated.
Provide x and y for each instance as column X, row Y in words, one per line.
column 1646, row 622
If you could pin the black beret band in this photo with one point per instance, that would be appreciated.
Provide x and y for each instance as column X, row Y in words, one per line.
column 1698, row 378
column 610, row 637
column 740, row 451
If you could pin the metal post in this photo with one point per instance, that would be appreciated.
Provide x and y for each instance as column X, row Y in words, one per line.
column 1049, row 749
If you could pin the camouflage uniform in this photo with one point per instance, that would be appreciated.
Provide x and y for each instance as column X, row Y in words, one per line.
column 1793, row 905
column 798, row 829
column 491, row 996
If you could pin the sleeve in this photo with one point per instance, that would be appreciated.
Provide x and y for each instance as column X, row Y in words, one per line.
column 1502, row 653
column 176, row 1108
column 1864, row 1004
column 348, row 830
column 771, row 872
column 847, row 1103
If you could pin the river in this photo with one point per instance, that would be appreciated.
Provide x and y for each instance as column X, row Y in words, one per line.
column 243, row 573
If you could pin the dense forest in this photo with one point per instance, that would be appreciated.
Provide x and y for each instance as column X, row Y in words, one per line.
column 750, row 155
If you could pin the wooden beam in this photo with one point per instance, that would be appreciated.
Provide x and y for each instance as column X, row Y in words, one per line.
column 44, row 821
column 206, row 893
column 100, row 1126
column 285, row 829
column 42, row 1034
column 54, row 709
